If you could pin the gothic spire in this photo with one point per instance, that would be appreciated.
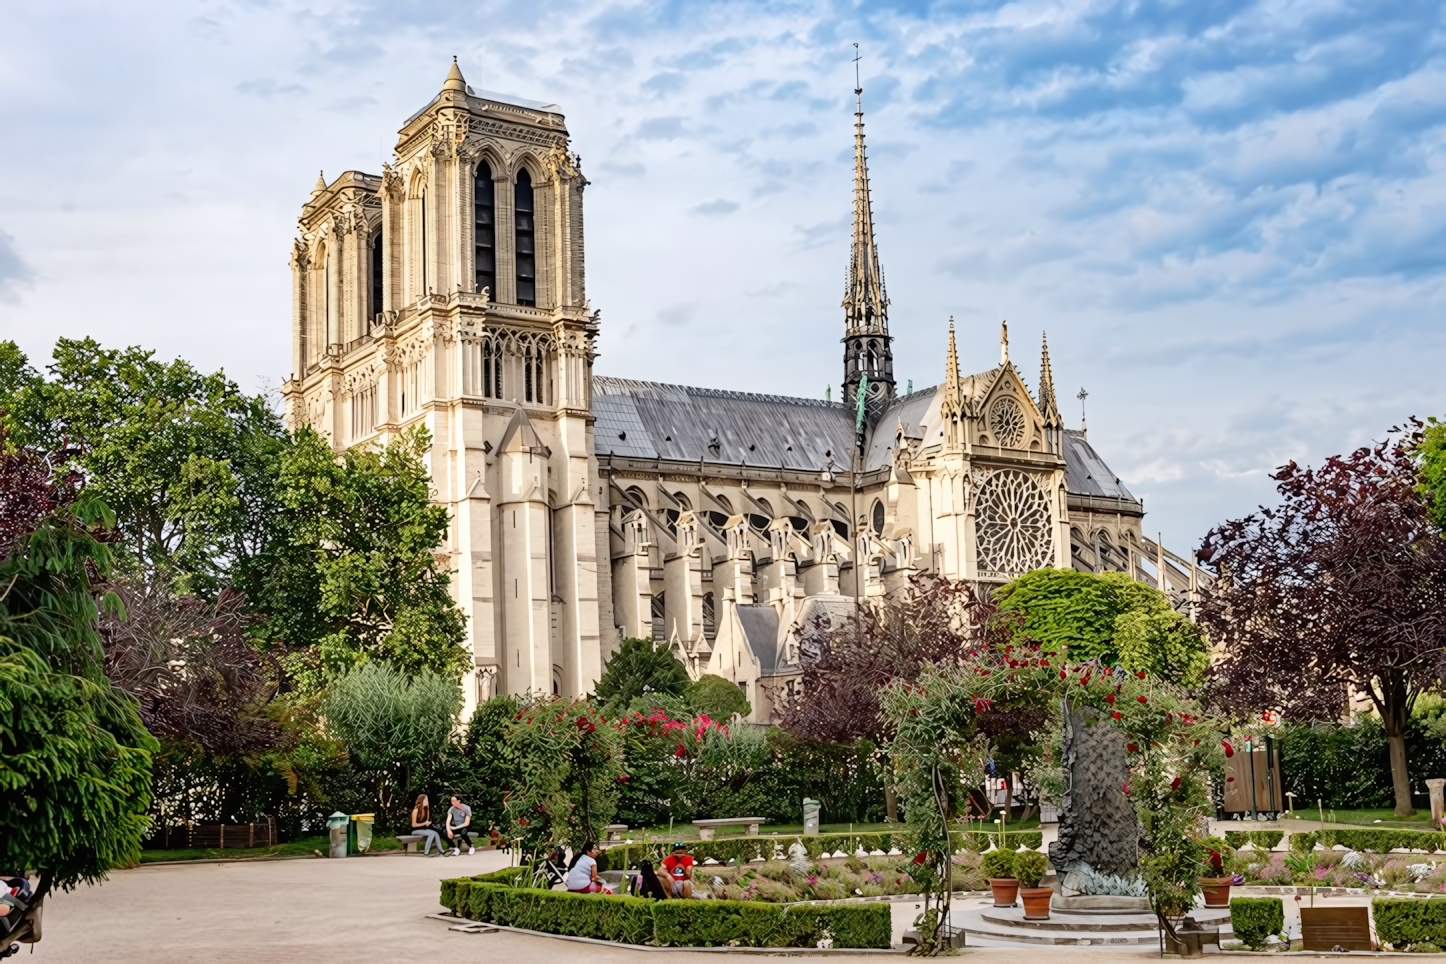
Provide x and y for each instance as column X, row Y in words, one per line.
column 1048, row 404
column 867, row 345
column 454, row 79
column 951, row 366
column 951, row 408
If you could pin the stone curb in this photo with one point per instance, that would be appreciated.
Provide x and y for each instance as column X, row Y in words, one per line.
column 480, row 927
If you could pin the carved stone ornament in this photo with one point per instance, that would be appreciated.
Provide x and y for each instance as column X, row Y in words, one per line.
column 1007, row 423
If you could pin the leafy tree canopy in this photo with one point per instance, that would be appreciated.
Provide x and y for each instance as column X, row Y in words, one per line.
column 184, row 459
column 640, row 667
column 76, row 770
column 1431, row 455
column 1110, row 617
column 352, row 571
column 717, row 697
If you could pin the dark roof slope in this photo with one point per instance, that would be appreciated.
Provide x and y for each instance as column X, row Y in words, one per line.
column 1085, row 473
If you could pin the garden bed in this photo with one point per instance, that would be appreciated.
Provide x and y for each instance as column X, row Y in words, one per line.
column 497, row 898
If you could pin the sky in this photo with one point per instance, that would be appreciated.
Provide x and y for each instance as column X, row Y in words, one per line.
column 1230, row 218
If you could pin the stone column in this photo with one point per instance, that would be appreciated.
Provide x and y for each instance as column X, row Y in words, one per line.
column 1438, row 802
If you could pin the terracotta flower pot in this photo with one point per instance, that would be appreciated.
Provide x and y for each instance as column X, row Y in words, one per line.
column 1036, row 902
column 1005, row 889
column 1216, row 890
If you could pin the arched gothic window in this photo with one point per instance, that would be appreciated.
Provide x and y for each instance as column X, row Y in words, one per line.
column 534, row 373
column 710, row 617
column 523, row 227
column 484, row 203
column 491, row 369
column 877, row 519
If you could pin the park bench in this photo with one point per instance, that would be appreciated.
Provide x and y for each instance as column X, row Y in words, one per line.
column 615, row 832
column 1336, row 929
column 409, row 841
column 707, row 828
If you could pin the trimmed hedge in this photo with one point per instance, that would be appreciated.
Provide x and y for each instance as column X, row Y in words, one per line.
column 1253, row 919
column 1370, row 841
column 1403, row 922
column 678, row 923
column 1261, row 839
column 717, row 923
column 743, row 849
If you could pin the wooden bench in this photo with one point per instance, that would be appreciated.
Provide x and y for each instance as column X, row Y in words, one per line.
column 1336, row 928
column 707, row 828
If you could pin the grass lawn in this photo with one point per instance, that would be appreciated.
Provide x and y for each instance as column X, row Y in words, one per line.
column 1384, row 817
column 296, row 848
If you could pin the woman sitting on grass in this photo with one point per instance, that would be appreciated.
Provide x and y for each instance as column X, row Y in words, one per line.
column 582, row 872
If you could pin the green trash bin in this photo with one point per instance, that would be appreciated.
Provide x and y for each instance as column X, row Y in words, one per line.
column 336, row 827
column 359, row 833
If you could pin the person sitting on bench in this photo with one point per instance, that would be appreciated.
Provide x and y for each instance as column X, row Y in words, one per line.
column 582, row 872
column 459, row 824
column 422, row 824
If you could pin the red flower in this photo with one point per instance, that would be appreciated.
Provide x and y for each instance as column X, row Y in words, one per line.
column 984, row 672
column 1132, row 747
column 1140, row 674
column 1229, row 779
column 1061, row 674
column 1229, row 750
column 522, row 821
column 1044, row 662
column 680, row 750
column 920, row 856
column 1169, row 718
column 622, row 778
column 1110, row 698
column 1142, row 698
column 1174, row 784
column 1116, row 715
column 1126, row 788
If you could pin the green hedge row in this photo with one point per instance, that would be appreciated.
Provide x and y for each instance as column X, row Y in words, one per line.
column 743, row 849
column 1261, row 839
column 1253, row 919
column 1403, row 922
column 675, row 923
column 1372, row 841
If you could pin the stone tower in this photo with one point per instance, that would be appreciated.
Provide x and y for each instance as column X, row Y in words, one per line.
column 447, row 292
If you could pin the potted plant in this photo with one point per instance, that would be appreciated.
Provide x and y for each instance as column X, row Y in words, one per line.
column 1216, row 886
column 1030, row 867
column 998, row 866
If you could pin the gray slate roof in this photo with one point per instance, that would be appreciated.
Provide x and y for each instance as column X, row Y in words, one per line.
column 760, row 629
column 1085, row 473
column 654, row 420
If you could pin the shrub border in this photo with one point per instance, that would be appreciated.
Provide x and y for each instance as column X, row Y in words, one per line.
column 495, row 898
column 745, row 849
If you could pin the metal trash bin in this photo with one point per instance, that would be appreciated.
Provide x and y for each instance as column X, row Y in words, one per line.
column 359, row 833
column 336, row 826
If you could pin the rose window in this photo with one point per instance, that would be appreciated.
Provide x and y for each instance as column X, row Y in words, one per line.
column 1006, row 421
column 1013, row 523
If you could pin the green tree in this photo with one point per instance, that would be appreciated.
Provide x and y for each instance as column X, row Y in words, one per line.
column 1110, row 617
column 394, row 723
column 640, row 667
column 717, row 697
column 76, row 768
column 186, row 460
column 352, row 570
column 1431, row 458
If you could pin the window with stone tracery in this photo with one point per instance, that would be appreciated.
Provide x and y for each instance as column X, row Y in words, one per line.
column 524, row 238
column 1007, row 423
column 484, row 205
column 1013, row 524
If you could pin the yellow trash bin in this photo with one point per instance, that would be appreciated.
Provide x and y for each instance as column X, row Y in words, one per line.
column 359, row 835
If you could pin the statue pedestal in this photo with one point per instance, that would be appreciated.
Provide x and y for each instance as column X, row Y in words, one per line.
column 1101, row 904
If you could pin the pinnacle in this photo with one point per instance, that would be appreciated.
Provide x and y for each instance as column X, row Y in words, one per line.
column 454, row 79
column 320, row 183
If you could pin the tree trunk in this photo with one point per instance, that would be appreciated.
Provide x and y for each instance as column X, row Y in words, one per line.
column 1396, row 710
column 891, row 803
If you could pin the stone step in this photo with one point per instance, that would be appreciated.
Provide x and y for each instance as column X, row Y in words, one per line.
column 1095, row 923
column 1062, row 939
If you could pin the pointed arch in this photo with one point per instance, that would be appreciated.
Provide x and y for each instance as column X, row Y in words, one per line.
column 484, row 228
column 524, row 236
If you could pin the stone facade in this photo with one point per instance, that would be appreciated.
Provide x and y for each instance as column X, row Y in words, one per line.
column 448, row 292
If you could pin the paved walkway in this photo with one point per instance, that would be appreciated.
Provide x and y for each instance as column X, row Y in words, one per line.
column 335, row 912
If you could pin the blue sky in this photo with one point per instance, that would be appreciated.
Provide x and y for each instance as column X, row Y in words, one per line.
column 1229, row 217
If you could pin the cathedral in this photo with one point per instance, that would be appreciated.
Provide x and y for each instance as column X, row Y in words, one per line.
column 448, row 292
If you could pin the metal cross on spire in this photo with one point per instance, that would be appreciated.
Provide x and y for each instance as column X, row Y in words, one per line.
column 1082, row 396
